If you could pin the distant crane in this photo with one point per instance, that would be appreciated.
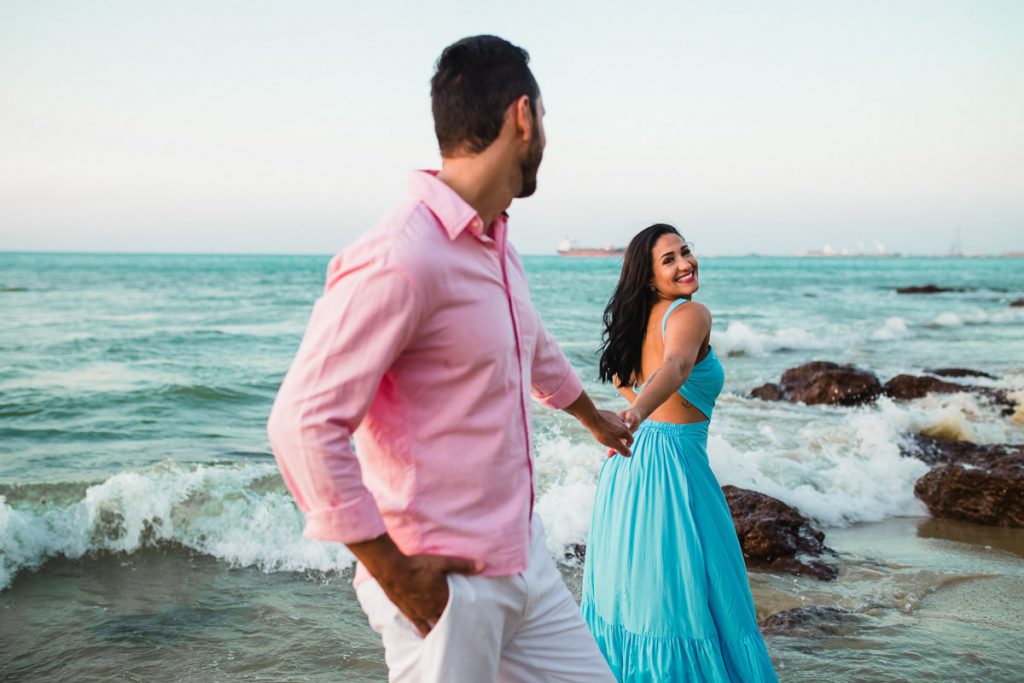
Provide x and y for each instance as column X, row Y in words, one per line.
column 956, row 249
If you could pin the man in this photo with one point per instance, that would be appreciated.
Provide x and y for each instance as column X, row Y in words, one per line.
column 423, row 348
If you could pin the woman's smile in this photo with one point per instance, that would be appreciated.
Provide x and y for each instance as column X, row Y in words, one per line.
column 674, row 268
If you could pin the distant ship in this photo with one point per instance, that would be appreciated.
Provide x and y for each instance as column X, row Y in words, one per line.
column 567, row 248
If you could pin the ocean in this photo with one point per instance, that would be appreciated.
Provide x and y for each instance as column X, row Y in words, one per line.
column 145, row 533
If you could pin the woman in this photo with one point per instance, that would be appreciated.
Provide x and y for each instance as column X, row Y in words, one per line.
column 665, row 589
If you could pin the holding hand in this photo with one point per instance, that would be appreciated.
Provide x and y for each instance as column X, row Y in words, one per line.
column 608, row 428
column 631, row 419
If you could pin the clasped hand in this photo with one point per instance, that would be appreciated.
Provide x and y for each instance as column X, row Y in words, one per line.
column 610, row 429
column 630, row 419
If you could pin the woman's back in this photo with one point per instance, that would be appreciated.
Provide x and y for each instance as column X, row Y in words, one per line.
column 677, row 409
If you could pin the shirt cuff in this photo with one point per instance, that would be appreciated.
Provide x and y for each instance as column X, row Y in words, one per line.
column 354, row 522
column 564, row 395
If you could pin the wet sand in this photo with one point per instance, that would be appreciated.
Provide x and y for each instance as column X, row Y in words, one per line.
column 922, row 600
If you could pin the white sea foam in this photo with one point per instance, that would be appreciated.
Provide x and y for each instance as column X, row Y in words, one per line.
column 1011, row 382
column 893, row 328
column 836, row 465
column 844, row 468
column 1017, row 396
column 947, row 319
column 740, row 339
column 978, row 316
column 228, row 512
column 566, row 475
column 834, row 473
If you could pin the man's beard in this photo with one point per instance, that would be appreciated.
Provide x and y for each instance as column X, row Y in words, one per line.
column 529, row 165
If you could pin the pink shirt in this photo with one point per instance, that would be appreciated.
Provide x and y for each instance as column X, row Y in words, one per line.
column 424, row 347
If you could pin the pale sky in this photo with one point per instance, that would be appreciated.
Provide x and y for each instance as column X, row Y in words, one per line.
column 289, row 127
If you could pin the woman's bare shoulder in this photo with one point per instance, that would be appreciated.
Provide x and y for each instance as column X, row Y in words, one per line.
column 691, row 312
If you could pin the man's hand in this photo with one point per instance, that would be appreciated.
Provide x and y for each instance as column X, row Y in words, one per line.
column 607, row 427
column 416, row 584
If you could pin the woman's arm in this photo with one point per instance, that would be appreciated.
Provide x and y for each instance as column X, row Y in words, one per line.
column 686, row 329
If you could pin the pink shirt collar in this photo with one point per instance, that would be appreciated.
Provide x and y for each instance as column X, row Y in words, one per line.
column 451, row 210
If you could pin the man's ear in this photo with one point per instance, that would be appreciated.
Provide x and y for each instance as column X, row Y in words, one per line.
column 524, row 118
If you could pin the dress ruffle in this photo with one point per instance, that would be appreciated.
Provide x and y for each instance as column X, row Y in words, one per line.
column 636, row 657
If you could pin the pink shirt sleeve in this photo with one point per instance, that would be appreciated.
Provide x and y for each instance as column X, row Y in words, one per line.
column 360, row 325
column 554, row 382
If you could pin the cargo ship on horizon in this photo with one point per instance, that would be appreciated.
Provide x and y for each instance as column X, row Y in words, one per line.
column 568, row 248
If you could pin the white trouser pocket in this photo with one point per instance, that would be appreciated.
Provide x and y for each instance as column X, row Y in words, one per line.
column 385, row 617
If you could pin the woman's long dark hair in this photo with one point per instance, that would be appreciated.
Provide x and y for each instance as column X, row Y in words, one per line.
column 625, row 316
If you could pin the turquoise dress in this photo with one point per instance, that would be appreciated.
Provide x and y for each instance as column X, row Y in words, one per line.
column 665, row 590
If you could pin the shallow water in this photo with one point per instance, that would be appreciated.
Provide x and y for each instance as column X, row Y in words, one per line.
column 936, row 608
column 927, row 601
column 145, row 532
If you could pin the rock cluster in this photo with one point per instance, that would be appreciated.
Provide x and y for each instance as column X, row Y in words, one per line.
column 976, row 483
column 823, row 382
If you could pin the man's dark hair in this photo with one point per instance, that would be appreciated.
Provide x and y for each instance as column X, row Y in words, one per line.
column 474, row 81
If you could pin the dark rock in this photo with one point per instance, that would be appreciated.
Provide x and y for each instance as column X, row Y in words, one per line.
column 987, row 490
column 1017, row 303
column 576, row 552
column 959, row 372
column 906, row 387
column 767, row 392
column 999, row 398
column 777, row 536
column 926, row 289
column 932, row 450
column 830, row 383
column 810, row 620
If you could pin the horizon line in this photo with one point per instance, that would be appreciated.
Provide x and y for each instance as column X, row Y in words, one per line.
column 89, row 252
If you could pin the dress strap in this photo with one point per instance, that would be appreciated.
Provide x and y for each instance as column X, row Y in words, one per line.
column 664, row 320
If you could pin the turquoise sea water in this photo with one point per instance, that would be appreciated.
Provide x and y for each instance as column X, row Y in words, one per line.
column 134, row 392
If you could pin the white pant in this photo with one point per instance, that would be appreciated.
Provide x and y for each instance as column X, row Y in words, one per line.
column 521, row 628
